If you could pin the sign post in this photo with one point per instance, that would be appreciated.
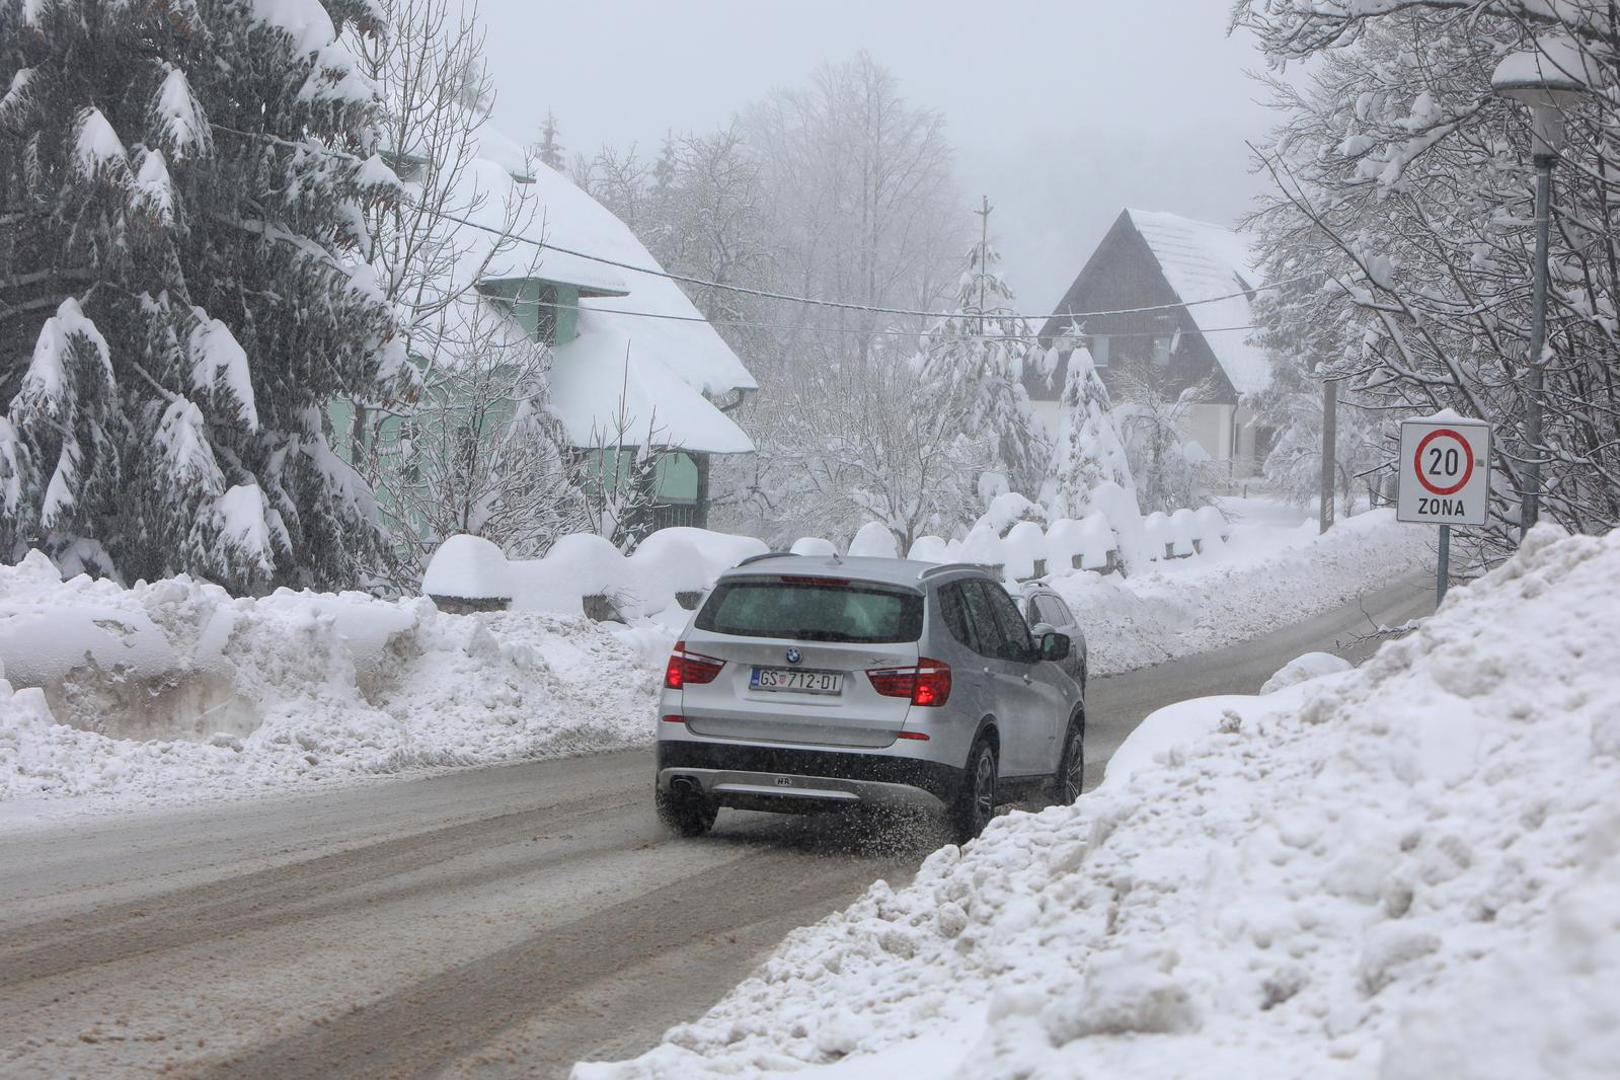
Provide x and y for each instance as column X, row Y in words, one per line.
column 1444, row 479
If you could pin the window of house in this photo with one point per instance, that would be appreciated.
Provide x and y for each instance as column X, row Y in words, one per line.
column 1099, row 349
column 1162, row 348
column 533, row 304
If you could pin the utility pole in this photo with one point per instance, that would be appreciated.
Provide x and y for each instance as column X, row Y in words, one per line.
column 1530, row 497
column 1330, row 449
column 984, row 251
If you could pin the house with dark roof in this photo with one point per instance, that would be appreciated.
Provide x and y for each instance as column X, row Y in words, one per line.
column 1162, row 261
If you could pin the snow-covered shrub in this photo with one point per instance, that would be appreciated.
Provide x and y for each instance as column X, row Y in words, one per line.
column 1010, row 508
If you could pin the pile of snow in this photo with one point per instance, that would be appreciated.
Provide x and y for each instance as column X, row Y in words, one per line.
column 1266, row 577
column 1312, row 665
column 174, row 690
column 1410, row 870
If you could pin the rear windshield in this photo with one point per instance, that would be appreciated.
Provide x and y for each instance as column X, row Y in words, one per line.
column 812, row 610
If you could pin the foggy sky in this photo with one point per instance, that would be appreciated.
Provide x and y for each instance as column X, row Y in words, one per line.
column 1062, row 112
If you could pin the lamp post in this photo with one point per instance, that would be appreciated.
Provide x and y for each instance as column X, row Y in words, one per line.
column 1548, row 79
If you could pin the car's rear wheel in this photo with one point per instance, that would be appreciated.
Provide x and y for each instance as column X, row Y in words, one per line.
column 1071, row 774
column 975, row 803
column 687, row 815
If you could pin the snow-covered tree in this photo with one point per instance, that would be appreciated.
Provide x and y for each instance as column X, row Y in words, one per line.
column 549, row 150
column 181, row 187
column 1404, row 181
column 471, row 448
column 1088, row 450
column 979, row 355
column 1170, row 470
column 892, row 450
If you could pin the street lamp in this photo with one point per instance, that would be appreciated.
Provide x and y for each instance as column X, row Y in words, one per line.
column 1548, row 78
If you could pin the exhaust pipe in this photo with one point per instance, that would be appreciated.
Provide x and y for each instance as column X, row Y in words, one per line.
column 685, row 785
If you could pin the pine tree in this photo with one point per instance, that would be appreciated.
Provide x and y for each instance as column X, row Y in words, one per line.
column 550, row 150
column 180, row 196
column 1088, row 448
column 980, row 354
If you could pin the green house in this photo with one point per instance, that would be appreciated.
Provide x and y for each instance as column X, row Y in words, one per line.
column 634, row 368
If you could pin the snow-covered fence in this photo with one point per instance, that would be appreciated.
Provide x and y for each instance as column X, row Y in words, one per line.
column 584, row 574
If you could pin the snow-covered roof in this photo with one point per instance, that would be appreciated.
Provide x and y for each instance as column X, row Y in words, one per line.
column 692, row 350
column 611, row 386
column 673, row 362
column 1201, row 260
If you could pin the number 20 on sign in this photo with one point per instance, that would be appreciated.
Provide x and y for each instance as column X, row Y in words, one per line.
column 1444, row 479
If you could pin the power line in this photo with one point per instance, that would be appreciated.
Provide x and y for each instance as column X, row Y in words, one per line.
column 762, row 325
column 869, row 309
column 766, row 294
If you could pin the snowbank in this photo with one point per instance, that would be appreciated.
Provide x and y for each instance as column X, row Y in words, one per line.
column 1264, row 578
column 175, row 691
column 1410, row 870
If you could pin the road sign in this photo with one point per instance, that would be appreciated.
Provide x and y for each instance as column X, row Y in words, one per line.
column 1445, row 472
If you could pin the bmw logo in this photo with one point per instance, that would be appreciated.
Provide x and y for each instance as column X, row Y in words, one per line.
column 793, row 656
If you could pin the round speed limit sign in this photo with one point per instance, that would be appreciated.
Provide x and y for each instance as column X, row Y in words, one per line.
column 1444, row 462
column 1444, row 471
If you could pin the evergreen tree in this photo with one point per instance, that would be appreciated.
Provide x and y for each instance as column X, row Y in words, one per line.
column 1088, row 449
column 549, row 149
column 979, row 355
column 180, row 195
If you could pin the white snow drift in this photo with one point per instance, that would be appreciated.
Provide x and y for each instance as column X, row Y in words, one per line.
column 1410, row 870
column 175, row 691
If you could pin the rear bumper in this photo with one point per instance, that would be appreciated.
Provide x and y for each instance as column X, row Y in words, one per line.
column 766, row 777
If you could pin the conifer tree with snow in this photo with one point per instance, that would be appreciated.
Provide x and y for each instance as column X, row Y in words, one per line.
column 180, row 195
column 1088, row 450
column 978, row 355
column 549, row 150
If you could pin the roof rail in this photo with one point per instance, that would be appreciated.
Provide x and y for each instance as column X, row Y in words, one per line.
column 946, row 567
column 766, row 555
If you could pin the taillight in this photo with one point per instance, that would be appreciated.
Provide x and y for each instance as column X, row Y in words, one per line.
column 689, row 667
column 928, row 684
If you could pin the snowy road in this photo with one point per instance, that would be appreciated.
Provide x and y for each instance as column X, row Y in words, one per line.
column 493, row 922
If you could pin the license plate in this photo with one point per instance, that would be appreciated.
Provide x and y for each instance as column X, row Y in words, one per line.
column 795, row 681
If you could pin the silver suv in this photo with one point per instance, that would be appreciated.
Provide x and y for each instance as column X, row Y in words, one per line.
column 811, row 683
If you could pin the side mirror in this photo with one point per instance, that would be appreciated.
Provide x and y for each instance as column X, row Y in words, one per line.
column 1055, row 646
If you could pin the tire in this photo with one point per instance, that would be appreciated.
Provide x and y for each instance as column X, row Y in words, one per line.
column 685, row 815
column 975, row 802
column 1071, row 770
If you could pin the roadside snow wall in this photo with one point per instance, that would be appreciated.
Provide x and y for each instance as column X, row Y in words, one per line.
column 174, row 690
column 1411, row 870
